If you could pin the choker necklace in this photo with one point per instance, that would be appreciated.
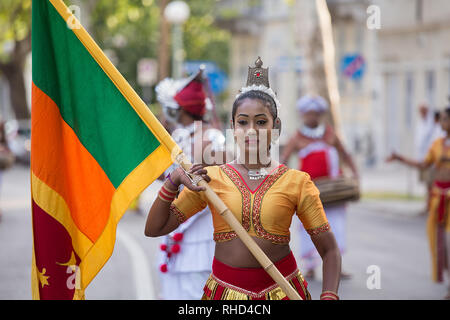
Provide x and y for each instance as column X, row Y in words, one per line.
column 313, row 133
column 256, row 174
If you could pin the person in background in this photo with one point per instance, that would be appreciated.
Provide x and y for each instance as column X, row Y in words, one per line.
column 3, row 149
column 319, row 150
column 427, row 130
column 187, row 252
column 428, row 175
column 423, row 131
column 438, row 132
column 438, row 224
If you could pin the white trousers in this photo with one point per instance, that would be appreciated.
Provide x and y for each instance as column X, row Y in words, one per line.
column 183, row 285
column 336, row 216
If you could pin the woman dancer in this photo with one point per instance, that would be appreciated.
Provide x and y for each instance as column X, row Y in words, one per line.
column 438, row 224
column 264, row 195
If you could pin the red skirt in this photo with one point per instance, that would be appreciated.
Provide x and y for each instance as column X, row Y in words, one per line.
column 230, row 283
column 437, row 225
column 443, row 188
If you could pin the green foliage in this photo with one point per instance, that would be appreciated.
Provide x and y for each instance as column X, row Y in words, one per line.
column 203, row 40
column 129, row 29
column 15, row 24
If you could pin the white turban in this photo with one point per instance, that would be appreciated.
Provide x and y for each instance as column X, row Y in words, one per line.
column 312, row 103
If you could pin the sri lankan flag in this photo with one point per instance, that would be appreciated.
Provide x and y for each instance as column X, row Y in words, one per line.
column 95, row 147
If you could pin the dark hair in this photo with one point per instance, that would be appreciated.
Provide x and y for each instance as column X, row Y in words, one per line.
column 437, row 116
column 447, row 111
column 255, row 94
column 195, row 117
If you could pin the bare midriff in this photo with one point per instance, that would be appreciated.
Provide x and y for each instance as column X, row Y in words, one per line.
column 235, row 254
column 442, row 174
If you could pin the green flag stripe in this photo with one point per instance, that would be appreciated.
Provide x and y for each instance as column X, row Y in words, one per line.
column 88, row 101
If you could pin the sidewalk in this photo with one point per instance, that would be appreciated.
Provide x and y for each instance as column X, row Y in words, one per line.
column 392, row 178
column 15, row 191
column 392, row 189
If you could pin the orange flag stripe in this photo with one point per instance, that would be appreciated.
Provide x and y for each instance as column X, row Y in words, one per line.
column 82, row 183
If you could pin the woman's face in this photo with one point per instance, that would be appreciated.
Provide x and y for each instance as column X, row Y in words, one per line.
column 445, row 121
column 311, row 118
column 253, row 125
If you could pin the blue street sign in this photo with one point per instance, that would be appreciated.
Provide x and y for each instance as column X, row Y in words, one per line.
column 218, row 79
column 353, row 66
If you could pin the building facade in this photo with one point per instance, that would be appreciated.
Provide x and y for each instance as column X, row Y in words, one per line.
column 391, row 56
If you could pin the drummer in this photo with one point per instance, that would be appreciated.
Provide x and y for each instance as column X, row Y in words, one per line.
column 319, row 149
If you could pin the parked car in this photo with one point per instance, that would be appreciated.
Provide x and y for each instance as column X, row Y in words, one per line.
column 18, row 135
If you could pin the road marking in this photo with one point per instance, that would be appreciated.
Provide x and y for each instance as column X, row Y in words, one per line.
column 141, row 269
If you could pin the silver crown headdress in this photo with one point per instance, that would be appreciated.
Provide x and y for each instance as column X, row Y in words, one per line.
column 258, row 80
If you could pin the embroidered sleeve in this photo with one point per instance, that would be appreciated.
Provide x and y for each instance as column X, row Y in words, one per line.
column 177, row 213
column 310, row 208
column 323, row 228
column 187, row 204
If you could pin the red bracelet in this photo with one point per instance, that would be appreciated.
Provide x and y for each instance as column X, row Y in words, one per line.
column 168, row 191
column 329, row 295
column 166, row 195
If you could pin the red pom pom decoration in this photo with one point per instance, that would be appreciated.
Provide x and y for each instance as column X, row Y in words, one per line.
column 163, row 247
column 177, row 237
column 163, row 268
column 169, row 254
column 175, row 248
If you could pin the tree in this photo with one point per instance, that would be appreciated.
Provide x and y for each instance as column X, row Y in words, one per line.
column 204, row 40
column 127, row 30
column 133, row 29
column 163, row 47
column 321, row 57
column 15, row 45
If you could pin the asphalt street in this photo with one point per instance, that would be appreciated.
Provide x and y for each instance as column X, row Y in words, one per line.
column 387, row 252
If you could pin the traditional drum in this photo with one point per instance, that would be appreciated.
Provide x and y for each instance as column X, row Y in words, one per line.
column 333, row 191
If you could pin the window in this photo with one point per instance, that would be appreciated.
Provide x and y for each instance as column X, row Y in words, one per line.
column 448, row 79
column 392, row 112
column 430, row 88
column 409, row 92
column 419, row 10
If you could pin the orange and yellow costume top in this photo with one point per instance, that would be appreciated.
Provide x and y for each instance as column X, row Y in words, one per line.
column 438, row 219
column 439, row 155
column 265, row 212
